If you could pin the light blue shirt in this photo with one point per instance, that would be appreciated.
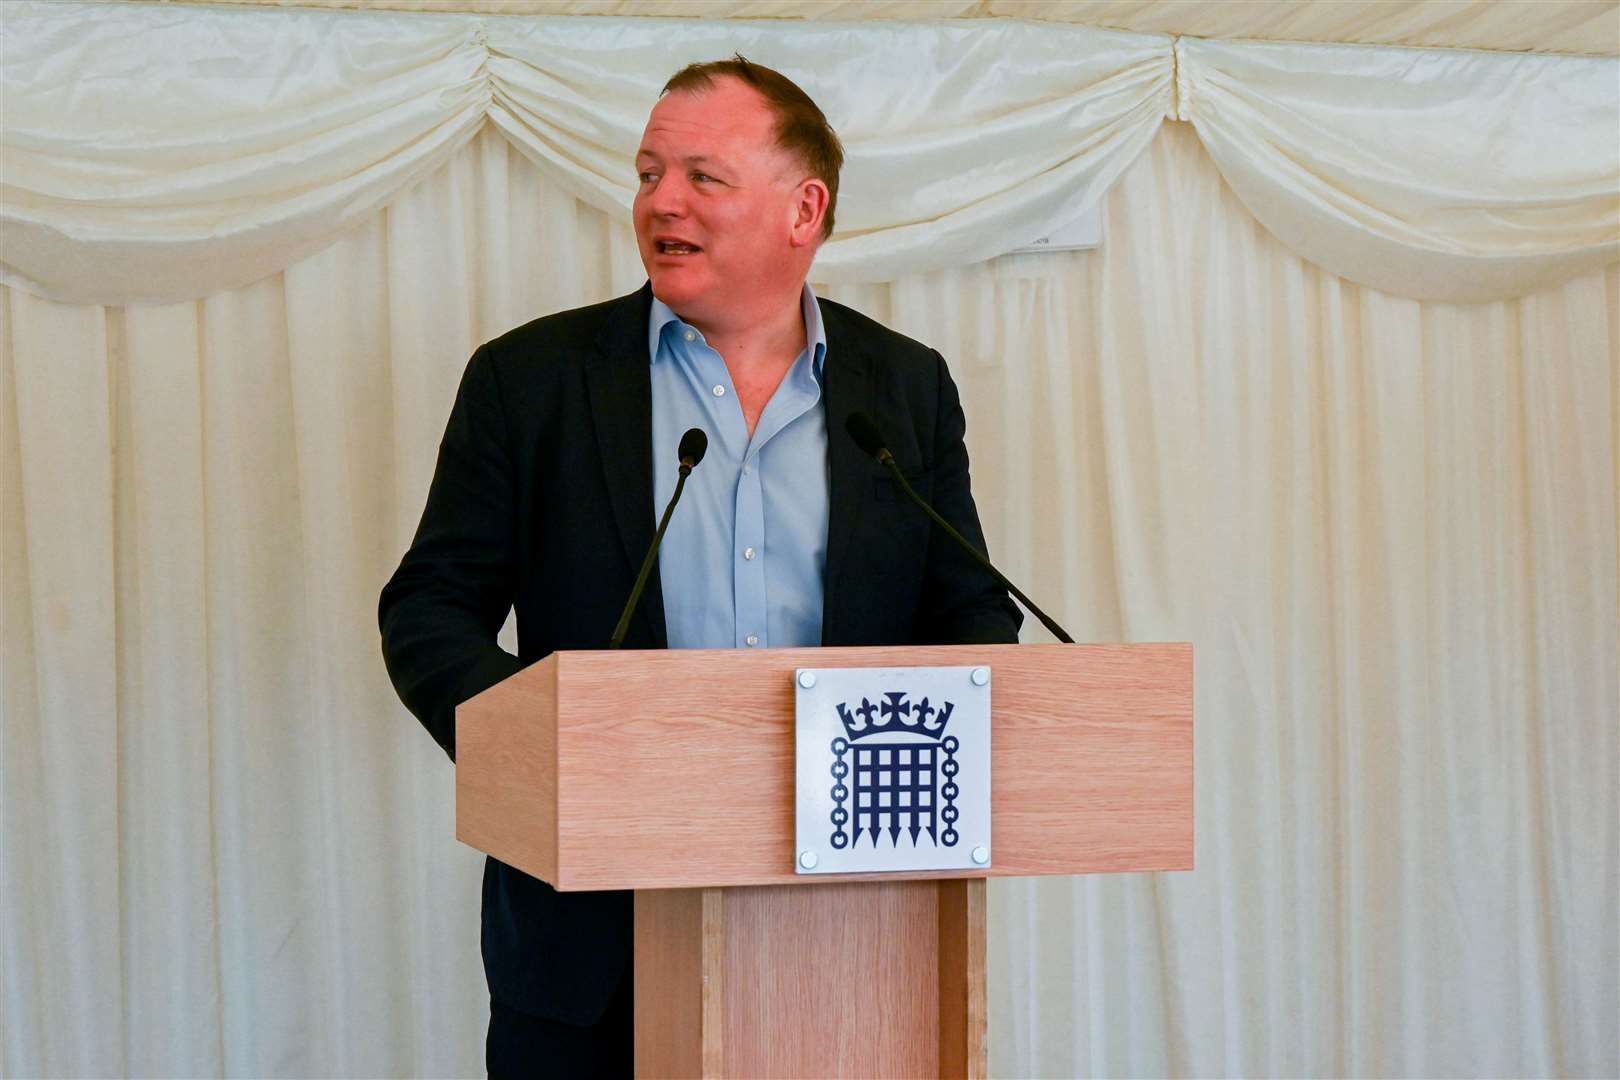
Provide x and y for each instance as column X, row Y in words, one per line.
column 745, row 555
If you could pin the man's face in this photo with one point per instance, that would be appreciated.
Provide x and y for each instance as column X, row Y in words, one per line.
column 716, row 205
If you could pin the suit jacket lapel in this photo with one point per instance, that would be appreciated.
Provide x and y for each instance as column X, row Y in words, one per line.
column 848, row 388
column 620, row 387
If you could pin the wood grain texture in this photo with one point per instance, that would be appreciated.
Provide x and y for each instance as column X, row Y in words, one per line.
column 676, row 766
column 964, row 1014
column 875, row 979
column 671, row 991
column 715, row 986
column 506, row 771
column 839, row 981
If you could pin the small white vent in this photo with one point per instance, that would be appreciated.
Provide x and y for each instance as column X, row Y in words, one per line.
column 1081, row 234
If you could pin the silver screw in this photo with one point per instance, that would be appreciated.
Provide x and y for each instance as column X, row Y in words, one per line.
column 808, row 860
column 981, row 855
column 981, row 676
column 807, row 679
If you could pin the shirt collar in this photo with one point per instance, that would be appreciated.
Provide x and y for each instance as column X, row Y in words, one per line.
column 815, row 334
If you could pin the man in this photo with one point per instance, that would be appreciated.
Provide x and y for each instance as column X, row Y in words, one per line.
column 560, row 450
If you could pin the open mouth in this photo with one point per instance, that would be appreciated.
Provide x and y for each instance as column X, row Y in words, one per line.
column 676, row 247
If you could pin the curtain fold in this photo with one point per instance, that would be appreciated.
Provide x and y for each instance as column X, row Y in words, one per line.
column 1388, row 526
column 1425, row 173
column 222, row 149
column 233, row 142
column 968, row 157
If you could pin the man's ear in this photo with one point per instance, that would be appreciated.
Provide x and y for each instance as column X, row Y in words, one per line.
column 809, row 211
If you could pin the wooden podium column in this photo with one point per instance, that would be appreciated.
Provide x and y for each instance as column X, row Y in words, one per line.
column 869, row 979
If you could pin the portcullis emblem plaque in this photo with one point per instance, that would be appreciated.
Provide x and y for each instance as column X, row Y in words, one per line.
column 892, row 769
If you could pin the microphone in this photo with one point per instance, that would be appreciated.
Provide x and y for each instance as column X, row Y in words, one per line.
column 694, row 444
column 870, row 439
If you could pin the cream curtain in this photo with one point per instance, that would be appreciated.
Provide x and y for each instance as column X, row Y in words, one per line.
column 233, row 142
column 1388, row 526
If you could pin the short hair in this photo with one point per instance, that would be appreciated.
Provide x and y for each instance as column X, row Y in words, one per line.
column 801, row 127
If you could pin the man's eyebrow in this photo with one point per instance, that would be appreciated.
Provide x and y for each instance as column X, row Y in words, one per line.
column 691, row 159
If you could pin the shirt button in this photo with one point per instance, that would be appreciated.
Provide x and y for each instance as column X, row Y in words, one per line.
column 719, row 391
column 690, row 336
column 752, row 639
column 748, row 470
column 748, row 553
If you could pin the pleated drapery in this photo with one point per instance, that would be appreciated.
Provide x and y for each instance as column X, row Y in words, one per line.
column 1388, row 526
column 213, row 147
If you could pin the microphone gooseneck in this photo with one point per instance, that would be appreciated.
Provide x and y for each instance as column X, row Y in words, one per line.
column 865, row 432
column 694, row 444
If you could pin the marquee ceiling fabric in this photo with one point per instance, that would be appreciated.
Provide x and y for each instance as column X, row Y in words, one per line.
column 1567, row 26
column 215, row 146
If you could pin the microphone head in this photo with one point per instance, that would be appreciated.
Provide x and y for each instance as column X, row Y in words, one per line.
column 865, row 433
column 694, row 444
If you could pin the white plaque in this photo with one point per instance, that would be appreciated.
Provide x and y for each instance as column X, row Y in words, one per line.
column 892, row 769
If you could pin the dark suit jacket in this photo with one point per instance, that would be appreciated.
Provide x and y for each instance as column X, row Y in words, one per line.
column 542, row 499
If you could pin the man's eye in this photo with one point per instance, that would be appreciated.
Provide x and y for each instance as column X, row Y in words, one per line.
column 701, row 177
column 646, row 177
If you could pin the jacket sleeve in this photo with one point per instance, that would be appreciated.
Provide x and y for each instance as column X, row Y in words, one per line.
column 441, row 611
column 961, row 603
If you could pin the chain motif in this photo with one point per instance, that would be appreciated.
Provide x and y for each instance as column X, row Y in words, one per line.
column 950, row 791
column 840, row 816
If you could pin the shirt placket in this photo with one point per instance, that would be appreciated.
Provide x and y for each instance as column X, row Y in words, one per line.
column 748, row 502
column 748, row 555
column 791, row 400
column 750, row 628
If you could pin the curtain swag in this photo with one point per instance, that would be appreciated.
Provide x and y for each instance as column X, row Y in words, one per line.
column 161, row 154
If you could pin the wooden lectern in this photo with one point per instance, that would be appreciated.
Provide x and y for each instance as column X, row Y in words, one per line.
column 672, row 773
